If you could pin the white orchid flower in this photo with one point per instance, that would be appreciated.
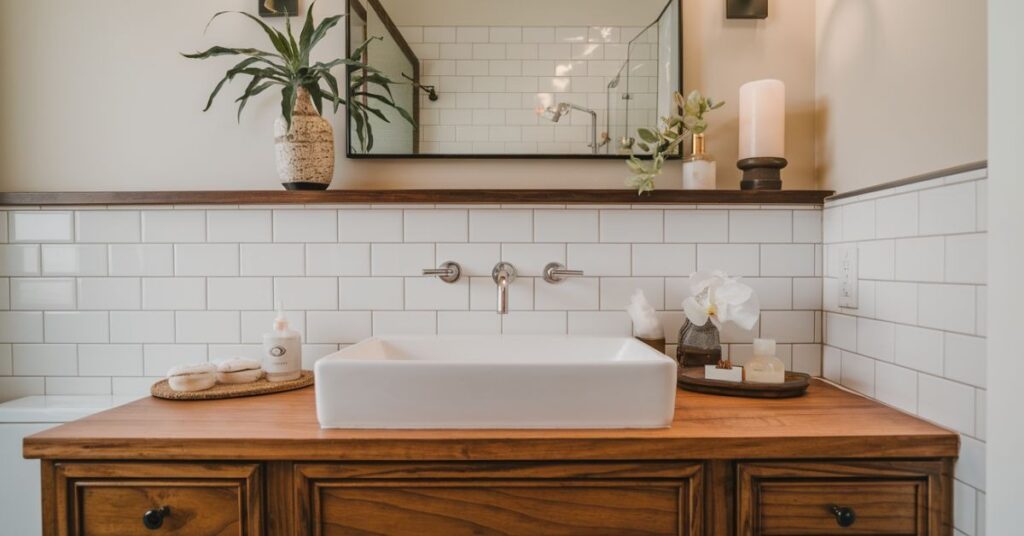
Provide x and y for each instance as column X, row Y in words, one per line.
column 721, row 299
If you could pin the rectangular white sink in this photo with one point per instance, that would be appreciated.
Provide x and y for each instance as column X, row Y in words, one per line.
column 496, row 382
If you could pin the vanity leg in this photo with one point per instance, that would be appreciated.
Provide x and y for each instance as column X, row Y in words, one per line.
column 719, row 513
column 47, row 479
column 280, row 500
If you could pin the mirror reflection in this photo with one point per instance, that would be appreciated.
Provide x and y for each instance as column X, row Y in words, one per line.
column 527, row 78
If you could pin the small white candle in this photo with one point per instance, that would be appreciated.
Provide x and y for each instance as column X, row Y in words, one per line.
column 763, row 119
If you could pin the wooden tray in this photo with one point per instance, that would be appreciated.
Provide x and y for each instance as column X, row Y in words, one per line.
column 160, row 389
column 692, row 379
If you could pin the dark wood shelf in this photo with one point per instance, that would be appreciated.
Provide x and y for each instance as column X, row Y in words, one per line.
column 551, row 197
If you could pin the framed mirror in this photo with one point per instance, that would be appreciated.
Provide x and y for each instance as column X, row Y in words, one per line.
column 513, row 79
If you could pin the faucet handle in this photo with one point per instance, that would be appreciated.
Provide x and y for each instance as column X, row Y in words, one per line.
column 556, row 272
column 449, row 271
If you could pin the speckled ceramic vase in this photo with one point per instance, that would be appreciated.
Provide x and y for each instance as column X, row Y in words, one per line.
column 305, row 154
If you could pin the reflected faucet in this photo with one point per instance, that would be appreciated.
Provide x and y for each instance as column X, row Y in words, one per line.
column 503, row 274
column 556, row 112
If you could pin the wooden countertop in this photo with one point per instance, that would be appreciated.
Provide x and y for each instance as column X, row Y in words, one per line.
column 826, row 422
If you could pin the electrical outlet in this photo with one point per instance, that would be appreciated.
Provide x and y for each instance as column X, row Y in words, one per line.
column 848, row 281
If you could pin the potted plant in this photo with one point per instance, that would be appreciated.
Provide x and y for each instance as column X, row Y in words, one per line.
column 303, row 139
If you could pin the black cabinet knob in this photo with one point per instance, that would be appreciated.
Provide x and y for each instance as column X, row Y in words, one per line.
column 154, row 519
column 845, row 516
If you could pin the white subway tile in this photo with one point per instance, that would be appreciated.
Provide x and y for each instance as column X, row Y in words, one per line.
column 256, row 323
column 632, row 225
column 106, row 293
column 859, row 373
column 338, row 327
column 966, row 258
column 306, row 293
column 238, row 226
column 471, row 34
column 272, row 259
column 760, row 226
column 896, row 216
column 832, row 224
column 474, row 259
column 337, row 259
column 438, row 34
column 6, row 360
column 68, row 259
column 370, row 225
column 404, row 323
column 787, row 259
column 807, row 359
column 19, row 259
column 966, row 359
column 576, row 293
column 970, row 466
column 616, row 292
column 964, row 505
column 70, row 386
column 62, row 326
column 41, row 226
column 542, row 34
column 788, row 326
column 565, row 225
column 599, row 259
column 173, row 226
column 875, row 339
column 223, row 352
column 36, row 294
column 435, row 225
column 206, row 259
column 534, row 323
column 530, row 259
column 207, row 327
column 980, row 411
column 920, row 259
column 159, row 358
column 107, row 226
column 501, row 225
column 807, row 293
column 167, row 293
column 896, row 302
column 664, row 259
column 982, row 308
column 896, row 386
column 807, row 226
column 841, row 331
column 430, row 293
column 875, row 259
column 400, row 259
column 982, row 209
column 141, row 259
column 141, row 326
column 947, row 307
column 772, row 292
column 483, row 294
column 603, row 323
column 371, row 293
column 237, row 293
column 21, row 326
column 696, row 226
column 110, row 360
column 734, row 259
column 946, row 210
column 858, row 221
column 305, row 226
column 134, row 386
column 947, row 403
column 468, row 323
column 311, row 353
column 45, row 360
column 832, row 363
column 17, row 387
column 918, row 348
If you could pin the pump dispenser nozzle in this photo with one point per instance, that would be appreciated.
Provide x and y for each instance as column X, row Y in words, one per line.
column 280, row 322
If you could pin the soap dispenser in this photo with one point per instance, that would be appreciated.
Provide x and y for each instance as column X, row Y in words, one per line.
column 282, row 351
column 765, row 367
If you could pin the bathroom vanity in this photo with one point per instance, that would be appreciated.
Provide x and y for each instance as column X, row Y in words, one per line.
column 831, row 462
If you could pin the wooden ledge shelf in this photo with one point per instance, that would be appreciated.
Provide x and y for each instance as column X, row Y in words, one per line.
column 543, row 197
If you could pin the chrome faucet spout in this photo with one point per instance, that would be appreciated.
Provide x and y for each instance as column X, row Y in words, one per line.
column 503, row 275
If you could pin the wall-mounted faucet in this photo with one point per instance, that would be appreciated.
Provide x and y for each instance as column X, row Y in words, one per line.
column 556, row 272
column 503, row 274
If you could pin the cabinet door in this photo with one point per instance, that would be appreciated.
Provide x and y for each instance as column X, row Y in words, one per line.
column 533, row 499
column 821, row 498
column 123, row 499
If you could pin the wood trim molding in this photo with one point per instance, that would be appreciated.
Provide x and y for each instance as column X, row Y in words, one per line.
column 543, row 197
column 964, row 168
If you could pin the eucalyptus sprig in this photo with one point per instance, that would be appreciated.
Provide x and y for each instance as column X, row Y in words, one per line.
column 289, row 67
column 668, row 140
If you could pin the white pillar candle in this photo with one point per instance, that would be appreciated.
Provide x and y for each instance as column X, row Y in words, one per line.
column 763, row 119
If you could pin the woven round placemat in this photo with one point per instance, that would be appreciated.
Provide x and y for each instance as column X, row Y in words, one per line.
column 160, row 389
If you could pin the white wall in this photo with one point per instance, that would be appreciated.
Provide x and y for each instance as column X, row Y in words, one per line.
column 98, row 99
column 1006, row 266
column 900, row 89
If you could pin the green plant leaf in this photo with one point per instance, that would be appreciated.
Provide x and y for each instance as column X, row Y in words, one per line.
column 315, row 94
column 279, row 41
column 296, row 56
column 334, row 95
column 227, row 78
column 227, row 51
column 358, row 52
column 254, row 88
column 360, row 121
column 647, row 135
column 322, row 29
column 288, row 95
column 307, row 33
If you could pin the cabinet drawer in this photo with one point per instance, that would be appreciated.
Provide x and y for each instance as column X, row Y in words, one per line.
column 158, row 499
column 482, row 498
column 894, row 498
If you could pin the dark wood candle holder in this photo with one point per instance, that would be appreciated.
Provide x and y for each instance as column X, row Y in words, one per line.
column 762, row 172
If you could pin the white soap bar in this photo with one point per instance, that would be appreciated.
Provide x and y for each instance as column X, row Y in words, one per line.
column 735, row 374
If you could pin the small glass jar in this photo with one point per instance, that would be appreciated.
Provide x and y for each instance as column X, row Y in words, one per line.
column 699, row 168
column 765, row 367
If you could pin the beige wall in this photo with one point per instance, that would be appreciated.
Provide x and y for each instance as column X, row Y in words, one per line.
column 95, row 97
column 901, row 88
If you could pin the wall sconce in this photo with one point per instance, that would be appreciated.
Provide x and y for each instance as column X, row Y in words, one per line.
column 277, row 8
column 746, row 9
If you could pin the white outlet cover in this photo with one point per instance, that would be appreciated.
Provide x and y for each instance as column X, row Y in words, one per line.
column 848, row 281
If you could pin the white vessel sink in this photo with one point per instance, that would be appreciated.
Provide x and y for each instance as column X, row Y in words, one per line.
column 496, row 382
